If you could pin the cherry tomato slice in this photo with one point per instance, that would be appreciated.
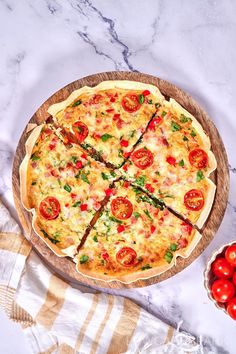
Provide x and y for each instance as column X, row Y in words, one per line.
column 126, row 256
column 142, row 158
column 198, row 158
column 222, row 269
column 222, row 290
column 130, row 102
column 230, row 255
column 231, row 308
column 194, row 200
column 234, row 278
column 81, row 130
column 121, row 208
column 49, row 208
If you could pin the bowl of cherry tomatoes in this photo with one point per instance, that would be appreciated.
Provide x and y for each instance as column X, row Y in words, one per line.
column 220, row 279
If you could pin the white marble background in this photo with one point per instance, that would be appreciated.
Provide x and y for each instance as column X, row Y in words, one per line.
column 46, row 44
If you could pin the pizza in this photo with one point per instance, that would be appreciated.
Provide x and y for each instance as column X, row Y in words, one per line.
column 118, row 179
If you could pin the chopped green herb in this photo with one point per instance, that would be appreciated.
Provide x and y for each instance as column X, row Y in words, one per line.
column 46, row 235
column 168, row 256
column 157, row 105
column 86, row 146
column 175, row 126
column 113, row 174
column 163, row 114
column 132, row 133
column 104, row 176
column 136, row 214
column 34, row 157
column 141, row 98
column 74, row 159
column 67, row 188
column 173, row 247
column 148, row 214
column 112, row 218
column 95, row 239
column 181, row 163
column 76, row 103
column 140, row 181
column 185, row 119
column 193, row 133
column 147, row 266
column 33, row 183
column 185, row 138
column 149, row 101
column 200, row 175
column 105, row 137
column 136, row 190
column 76, row 204
column 120, row 153
column 145, row 198
column 78, row 175
column 84, row 177
column 84, row 259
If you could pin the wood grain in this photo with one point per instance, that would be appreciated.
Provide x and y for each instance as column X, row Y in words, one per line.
column 64, row 266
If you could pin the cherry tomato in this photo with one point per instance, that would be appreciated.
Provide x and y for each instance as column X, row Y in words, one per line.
column 142, row 158
column 121, row 208
column 230, row 255
column 81, row 130
column 194, row 200
column 126, row 256
column 49, row 208
column 222, row 290
column 222, row 269
column 130, row 102
column 154, row 123
column 231, row 308
column 198, row 158
column 234, row 278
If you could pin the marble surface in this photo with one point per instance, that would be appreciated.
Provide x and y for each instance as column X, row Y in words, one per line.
column 46, row 44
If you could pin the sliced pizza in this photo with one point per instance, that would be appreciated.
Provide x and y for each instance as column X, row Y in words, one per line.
column 109, row 118
column 63, row 187
column 173, row 162
column 134, row 237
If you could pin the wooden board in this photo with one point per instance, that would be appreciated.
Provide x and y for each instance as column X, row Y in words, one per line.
column 65, row 266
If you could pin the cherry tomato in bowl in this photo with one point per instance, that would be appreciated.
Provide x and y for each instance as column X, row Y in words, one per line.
column 223, row 290
column 231, row 308
column 221, row 268
column 230, row 255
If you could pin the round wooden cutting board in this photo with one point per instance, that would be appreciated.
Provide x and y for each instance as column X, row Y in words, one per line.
column 65, row 266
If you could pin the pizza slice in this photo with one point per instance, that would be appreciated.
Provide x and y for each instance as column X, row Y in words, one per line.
column 109, row 118
column 134, row 238
column 63, row 187
column 173, row 162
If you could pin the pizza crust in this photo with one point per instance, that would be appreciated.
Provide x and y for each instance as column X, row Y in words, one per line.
column 149, row 273
column 105, row 85
column 29, row 145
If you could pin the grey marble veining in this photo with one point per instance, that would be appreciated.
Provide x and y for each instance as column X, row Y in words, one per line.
column 46, row 44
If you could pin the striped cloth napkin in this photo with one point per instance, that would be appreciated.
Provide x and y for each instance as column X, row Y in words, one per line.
column 57, row 318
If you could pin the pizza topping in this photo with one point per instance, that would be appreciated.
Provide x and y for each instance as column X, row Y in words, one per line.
column 121, row 208
column 181, row 163
column 146, row 93
column 185, row 119
column 76, row 204
column 35, row 157
column 175, row 126
column 81, row 130
column 126, row 256
column 83, row 259
column 106, row 137
column 182, row 242
column 141, row 99
column 198, row 158
column 168, row 256
column 95, row 239
column 153, row 229
column 53, row 144
column 173, row 247
column 49, row 208
column 187, row 227
column 194, row 200
column 67, row 188
column 145, row 267
column 156, row 121
column 142, row 158
column 120, row 228
column 95, row 99
column 79, row 164
column 84, row 207
column 149, row 187
column 76, row 103
column 171, row 160
column 136, row 214
column 124, row 143
column 193, row 133
column 110, row 110
column 200, row 176
column 105, row 255
column 130, row 102
column 108, row 192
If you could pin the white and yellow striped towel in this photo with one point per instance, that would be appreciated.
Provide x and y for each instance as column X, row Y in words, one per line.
column 57, row 318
